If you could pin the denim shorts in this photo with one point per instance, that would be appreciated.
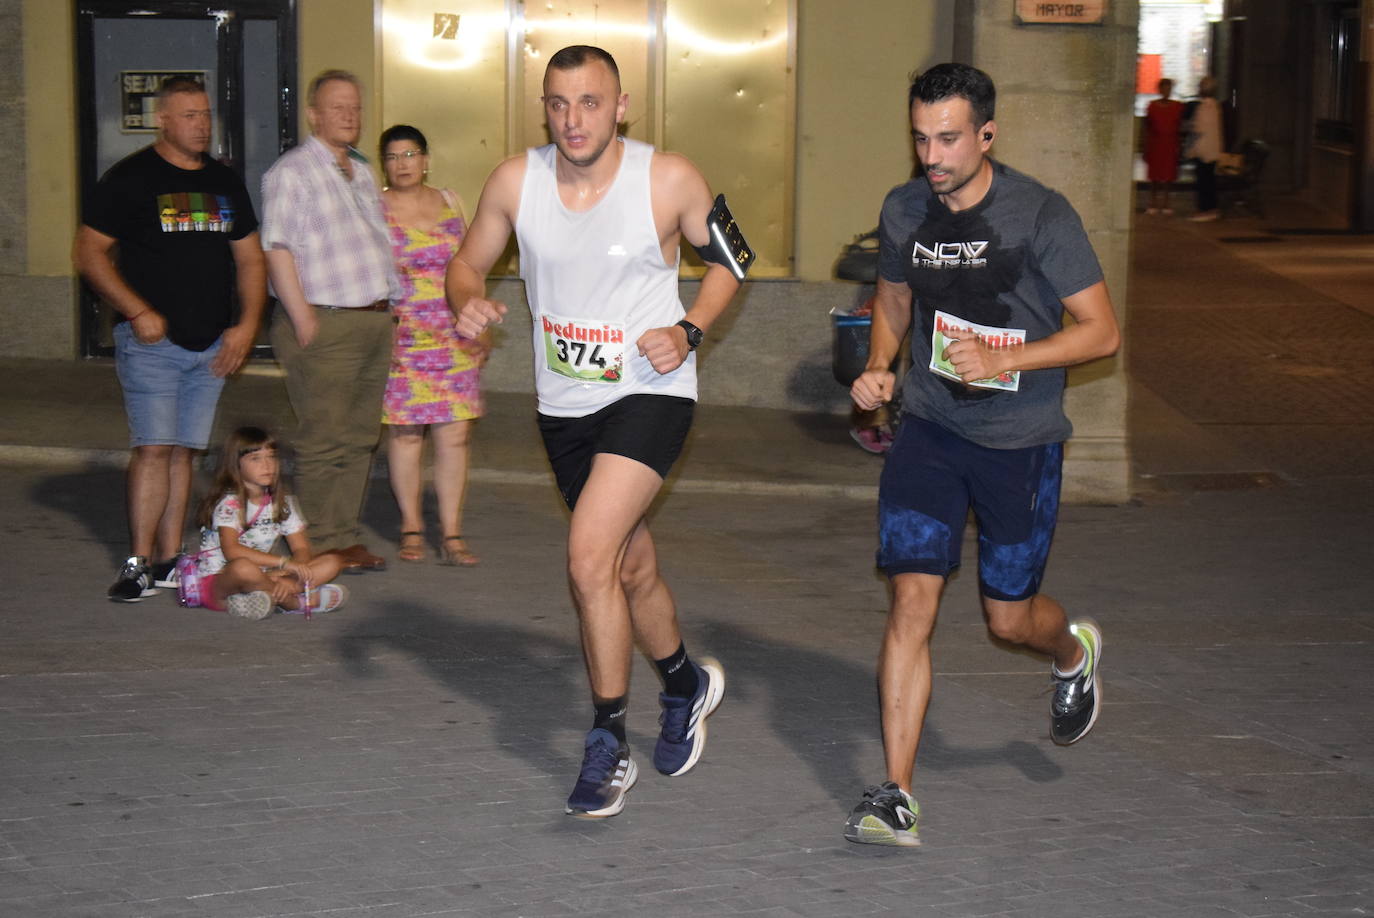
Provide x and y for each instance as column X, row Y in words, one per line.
column 169, row 392
column 932, row 477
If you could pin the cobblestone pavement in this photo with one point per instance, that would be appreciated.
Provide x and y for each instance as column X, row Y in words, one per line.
column 409, row 755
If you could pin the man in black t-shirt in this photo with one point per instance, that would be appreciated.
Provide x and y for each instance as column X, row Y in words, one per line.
column 167, row 238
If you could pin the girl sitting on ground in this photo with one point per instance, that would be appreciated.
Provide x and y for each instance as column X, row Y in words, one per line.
column 241, row 519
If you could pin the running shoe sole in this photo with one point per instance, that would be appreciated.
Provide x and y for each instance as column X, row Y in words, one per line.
column 873, row 831
column 253, row 606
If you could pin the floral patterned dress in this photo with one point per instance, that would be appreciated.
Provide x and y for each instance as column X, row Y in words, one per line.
column 434, row 370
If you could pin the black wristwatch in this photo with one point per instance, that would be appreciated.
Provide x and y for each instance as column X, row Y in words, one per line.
column 694, row 334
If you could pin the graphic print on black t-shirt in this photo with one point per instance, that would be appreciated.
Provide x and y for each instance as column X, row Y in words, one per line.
column 195, row 211
column 175, row 228
column 957, row 264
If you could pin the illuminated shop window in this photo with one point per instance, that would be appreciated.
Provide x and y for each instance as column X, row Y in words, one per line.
column 711, row 79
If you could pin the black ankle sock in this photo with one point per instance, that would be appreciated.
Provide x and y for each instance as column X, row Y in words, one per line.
column 678, row 674
column 610, row 715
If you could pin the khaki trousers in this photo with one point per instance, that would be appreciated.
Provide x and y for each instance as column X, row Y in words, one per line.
column 335, row 387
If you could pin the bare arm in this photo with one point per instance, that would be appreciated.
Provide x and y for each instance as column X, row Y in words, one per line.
column 92, row 255
column 682, row 202
column 891, row 319
column 487, row 235
column 1093, row 334
column 233, row 549
column 251, row 270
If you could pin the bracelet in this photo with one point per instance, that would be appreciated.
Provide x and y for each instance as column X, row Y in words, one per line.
column 131, row 318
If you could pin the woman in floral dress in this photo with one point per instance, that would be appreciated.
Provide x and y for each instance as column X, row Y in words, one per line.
column 434, row 380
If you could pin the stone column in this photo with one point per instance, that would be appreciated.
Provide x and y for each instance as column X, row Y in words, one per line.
column 1064, row 97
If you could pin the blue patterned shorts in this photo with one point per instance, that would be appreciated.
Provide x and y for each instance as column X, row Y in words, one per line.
column 931, row 479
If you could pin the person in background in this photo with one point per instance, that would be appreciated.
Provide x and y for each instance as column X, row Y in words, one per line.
column 329, row 261
column 247, row 510
column 1204, row 149
column 1163, row 119
column 173, row 285
column 435, row 372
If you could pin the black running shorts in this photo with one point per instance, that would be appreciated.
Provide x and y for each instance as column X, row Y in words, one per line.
column 646, row 428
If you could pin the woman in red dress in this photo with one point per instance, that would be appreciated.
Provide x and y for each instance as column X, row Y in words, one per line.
column 1162, row 119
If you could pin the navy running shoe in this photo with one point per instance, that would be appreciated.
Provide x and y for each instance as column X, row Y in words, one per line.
column 683, row 736
column 886, row 816
column 608, row 773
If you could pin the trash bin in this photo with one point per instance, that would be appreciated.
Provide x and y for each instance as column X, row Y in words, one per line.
column 849, row 344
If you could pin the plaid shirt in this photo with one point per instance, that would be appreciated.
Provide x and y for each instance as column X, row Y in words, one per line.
column 333, row 227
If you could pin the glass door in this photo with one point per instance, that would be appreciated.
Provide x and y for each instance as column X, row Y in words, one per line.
column 243, row 51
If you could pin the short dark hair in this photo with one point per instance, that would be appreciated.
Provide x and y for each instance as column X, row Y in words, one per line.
column 402, row 132
column 949, row 81
column 574, row 56
column 176, row 86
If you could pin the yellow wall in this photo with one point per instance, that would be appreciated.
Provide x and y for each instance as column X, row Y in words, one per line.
column 50, row 138
column 345, row 35
column 853, row 136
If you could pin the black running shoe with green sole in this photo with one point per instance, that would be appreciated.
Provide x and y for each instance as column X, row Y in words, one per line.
column 886, row 816
column 1073, row 711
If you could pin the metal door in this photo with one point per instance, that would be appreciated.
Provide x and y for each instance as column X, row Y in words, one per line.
column 244, row 51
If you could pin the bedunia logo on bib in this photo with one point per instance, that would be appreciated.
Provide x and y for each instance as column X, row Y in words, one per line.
column 584, row 350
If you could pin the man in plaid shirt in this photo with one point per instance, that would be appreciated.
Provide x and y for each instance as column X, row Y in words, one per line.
column 330, row 265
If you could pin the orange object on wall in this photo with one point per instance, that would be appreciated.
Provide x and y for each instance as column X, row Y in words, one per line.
column 1148, row 70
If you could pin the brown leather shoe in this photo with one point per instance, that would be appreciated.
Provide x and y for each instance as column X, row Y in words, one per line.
column 357, row 559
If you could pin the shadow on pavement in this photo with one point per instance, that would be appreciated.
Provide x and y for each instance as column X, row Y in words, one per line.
column 523, row 678
column 825, row 708
column 92, row 497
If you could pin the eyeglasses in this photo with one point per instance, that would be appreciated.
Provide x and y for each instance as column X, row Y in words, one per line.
column 406, row 154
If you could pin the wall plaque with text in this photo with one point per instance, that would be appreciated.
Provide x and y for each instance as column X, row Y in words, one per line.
column 1049, row 12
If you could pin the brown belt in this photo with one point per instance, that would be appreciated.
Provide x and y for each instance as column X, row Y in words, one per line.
column 379, row 306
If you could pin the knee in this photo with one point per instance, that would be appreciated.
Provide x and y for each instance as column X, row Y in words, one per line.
column 160, row 453
column 915, row 601
column 590, row 574
column 407, row 435
column 242, row 569
column 1008, row 621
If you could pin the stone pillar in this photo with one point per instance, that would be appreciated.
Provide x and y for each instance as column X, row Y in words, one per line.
column 1064, row 97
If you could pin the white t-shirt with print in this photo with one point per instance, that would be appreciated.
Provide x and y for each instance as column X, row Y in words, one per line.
column 261, row 535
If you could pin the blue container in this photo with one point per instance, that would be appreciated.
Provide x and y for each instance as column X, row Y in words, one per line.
column 849, row 345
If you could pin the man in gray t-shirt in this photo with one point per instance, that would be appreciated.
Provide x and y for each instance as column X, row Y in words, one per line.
column 989, row 260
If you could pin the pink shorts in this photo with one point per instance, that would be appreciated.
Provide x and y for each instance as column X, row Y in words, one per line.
column 207, row 593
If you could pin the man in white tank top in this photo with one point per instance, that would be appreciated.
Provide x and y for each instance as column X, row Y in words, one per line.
column 599, row 219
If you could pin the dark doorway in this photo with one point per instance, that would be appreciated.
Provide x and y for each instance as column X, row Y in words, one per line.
column 243, row 50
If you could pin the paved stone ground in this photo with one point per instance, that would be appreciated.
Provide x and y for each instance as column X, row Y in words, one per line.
column 410, row 754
